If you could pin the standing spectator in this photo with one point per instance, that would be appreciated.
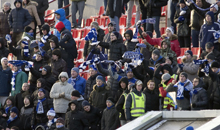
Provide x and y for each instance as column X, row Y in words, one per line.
column 4, row 25
column 60, row 124
column 131, row 3
column 114, row 11
column 61, row 93
column 143, row 8
column 130, row 45
column 77, row 82
column 110, row 116
column 13, row 119
column 31, row 6
column 40, row 84
column 60, row 16
column 156, row 58
column 111, row 28
column 68, row 43
column 182, row 19
column 93, row 115
column 173, row 8
column 77, row 5
column 8, row 104
column 16, row 23
column 51, row 124
column 209, row 47
column 169, row 61
column 154, row 11
column 60, row 5
column 205, row 35
column 75, row 95
column 46, row 36
column 3, row 50
column 5, row 77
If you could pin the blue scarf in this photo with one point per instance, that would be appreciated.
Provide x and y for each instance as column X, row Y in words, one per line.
column 60, row 126
column 40, row 45
column 26, row 49
column 101, row 85
column 30, row 34
column 38, row 103
column 13, row 79
column 184, row 8
column 110, row 107
column 206, row 69
column 7, row 108
column 181, row 88
column 73, row 81
column 45, row 37
column 196, row 90
column 156, row 60
column 11, row 119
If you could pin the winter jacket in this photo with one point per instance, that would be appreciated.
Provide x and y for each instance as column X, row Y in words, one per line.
column 3, row 122
column 19, row 99
column 154, row 7
column 61, row 104
column 207, row 36
column 5, row 78
column 58, row 67
column 94, row 118
column 18, row 52
column 130, row 46
column 114, row 8
column 80, row 100
column 63, row 19
column 16, row 122
column 110, row 119
column 32, row 9
column 3, row 50
column 151, row 104
column 115, row 49
column 3, row 108
column 75, row 120
column 19, row 80
column 80, row 84
column 42, row 7
column 174, row 43
column 121, row 90
column 4, row 25
column 35, row 94
column 215, row 52
column 25, row 117
column 99, row 96
column 90, row 82
column 19, row 18
column 46, row 46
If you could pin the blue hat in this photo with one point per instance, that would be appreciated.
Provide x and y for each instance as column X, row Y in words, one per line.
column 14, row 109
column 76, row 69
column 85, row 103
column 42, row 90
column 93, row 67
column 100, row 78
column 190, row 52
column 128, row 70
column 189, row 128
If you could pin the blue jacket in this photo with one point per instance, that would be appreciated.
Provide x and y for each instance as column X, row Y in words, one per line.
column 5, row 80
column 207, row 30
column 80, row 84
column 65, row 21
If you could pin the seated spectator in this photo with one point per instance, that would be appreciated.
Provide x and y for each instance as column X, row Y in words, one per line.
column 78, row 82
column 209, row 47
column 156, row 58
column 93, row 115
column 169, row 61
column 13, row 119
column 46, row 36
column 99, row 94
column 75, row 95
column 26, row 113
column 199, row 96
column 110, row 116
column 175, row 46
column 61, row 94
column 9, row 103
column 60, row 124
column 129, row 43
column 3, row 50
column 51, row 124
column 40, row 84
column 74, row 119
column 61, row 17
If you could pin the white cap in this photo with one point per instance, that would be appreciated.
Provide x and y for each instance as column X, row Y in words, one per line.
column 215, row 5
column 170, row 29
column 4, row 58
column 51, row 113
column 139, row 82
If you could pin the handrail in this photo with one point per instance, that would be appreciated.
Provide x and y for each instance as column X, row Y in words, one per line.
column 62, row 8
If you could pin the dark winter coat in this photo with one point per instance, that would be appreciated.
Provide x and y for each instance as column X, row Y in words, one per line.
column 19, row 99
column 16, row 122
column 3, row 122
column 152, row 100
column 114, row 8
column 153, row 63
column 4, row 25
column 43, row 5
column 3, row 107
column 130, row 46
column 19, row 18
column 215, row 52
column 3, row 50
column 25, row 117
column 5, row 78
column 46, row 46
column 121, row 90
column 58, row 67
column 110, row 119
column 154, row 7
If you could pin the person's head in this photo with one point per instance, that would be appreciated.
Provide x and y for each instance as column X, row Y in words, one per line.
column 169, row 60
column 73, row 105
column 52, row 44
column 139, row 85
column 17, row 3
column 111, row 26
column 51, row 114
column 151, row 85
column 8, row 101
column 14, row 128
column 57, row 16
column 99, row 80
column 215, row 66
column 114, row 36
column 165, row 44
column 165, row 77
column 44, row 71
column 56, row 54
column 6, row 6
column 27, row 100
column 75, row 95
column 129, row 73
column 13, row 112
column 45, row 29
column 4, row 62
column 214, row 8
column 128, row 35
column 210, row 57
column 208, row 17
column 188, row 54
column 195, row 81
column 25, row 86
column 169, row 31
column 183, row 76
column 199, row 3
column 74, row 72
column 155, row 54
column 86, row 106
column 92, row 70
column 38, row 57
column 15, row 68
column 209, row 47
column 123, row 83
column 41, row 93
column 60, row 122
column 40, row 82
column 182, row 3
column 167, row 69
column 63, row 77
column 59, row 26
column 25, row 1
column 95, row 25
column 110, row 101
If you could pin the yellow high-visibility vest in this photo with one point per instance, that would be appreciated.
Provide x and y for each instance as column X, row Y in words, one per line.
column 125, row 95
column 138, row 104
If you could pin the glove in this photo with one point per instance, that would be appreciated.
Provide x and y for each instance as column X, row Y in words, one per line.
column 181, row 66
column 97, row 60
column 62, row 95
column 193, row 105
column 8, row 38
column 181, row 18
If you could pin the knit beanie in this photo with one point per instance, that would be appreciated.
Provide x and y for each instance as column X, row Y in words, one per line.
column 156, row 52
column 45, row 27
column 210, row 56
column 184, row 74
column 110, row 99
column 75, row 93
column 4, row 58
column 189, row 128
column 171, row 59
column 60, row 120
column 51, row 113
column 85, row 103
column 170, row 29
column 215, row 6
column 214, row 65
column 41, row 90
column 76, row 69
column 100, row 78
column 94, row 23
column 14, row 109
column 59, row 26
column 7, row 4
column 116, row 34
column 57, row 53
column 190, row 52
column 139, row 82
column 182, row 1
column 166, row 76
column 112, row 23
column 27, row 28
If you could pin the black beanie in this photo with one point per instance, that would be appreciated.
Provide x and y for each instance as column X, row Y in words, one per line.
column 214, row 65
column 85, row 103
column 46, row 27
column 182, row 1
column 184, row 74
column 75, row 93
column 156, row 52
column 57, row 52
column 116, row 34
column 111, row 100
column 27, row 28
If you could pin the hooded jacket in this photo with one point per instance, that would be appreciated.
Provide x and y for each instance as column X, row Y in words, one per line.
column 3, row 108
column 46, row 46
column 207, row 36
column 61, row 104
column 80, row 84
column 63, row 19
column 4, row 25
column 5, row 78
column 130, row 46
column 19, row 18
column 58, row 67
column 121, row 90
column 3, row 50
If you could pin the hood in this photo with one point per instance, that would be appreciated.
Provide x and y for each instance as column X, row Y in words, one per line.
column 63, row 74
column 55, row 39
column 81, row 98
column 168, row 67
column 210, row 13
column 200, row 85
column 12, row 100
column 2, row 43
column 61, row 12
column 74, row 102
column 167, row 41
column 125, row 80
column 130, row 33
column 20, row 1
column 46, row 27
column 48, row 68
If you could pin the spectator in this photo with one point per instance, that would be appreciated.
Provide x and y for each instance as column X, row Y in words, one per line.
column 28, row 35
column 99, row 94
column 8, row 104
column 25, row 113
column 129, row 43
column 77, row 5
column 75, row 120
column 131, row 3
column 60, row 5
column 93, row 115
column 173, row 8
column 46, row 36
column 75, row 95
column 136, row 96
column 41, row 106
column 40, row 84
column 114, row 11
column 3, row 123
column 209, row 47
column 6, row 75
column 188, row 66
column 31, row 6
column 175, row 46
column 77, row 82
column 60, row 124
column 17, row 24
column 3, row 50
column 13, row 119
column 57, row 64
column 199, row 96
column 169, row 61
column 143, row 8
column 4, row 25
column 182, row 19
column 123, row 86
column 110, row 116
column 51, row 124
column 205, row 35
column 61, row 94
column 19, row 98
column 68, row 44
column 60, row 16
column 210, row 58
column 156, row 58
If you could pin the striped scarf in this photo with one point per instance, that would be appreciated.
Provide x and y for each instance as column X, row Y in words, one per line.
column 13, row 79
column 26, row 49
column 45, row 37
